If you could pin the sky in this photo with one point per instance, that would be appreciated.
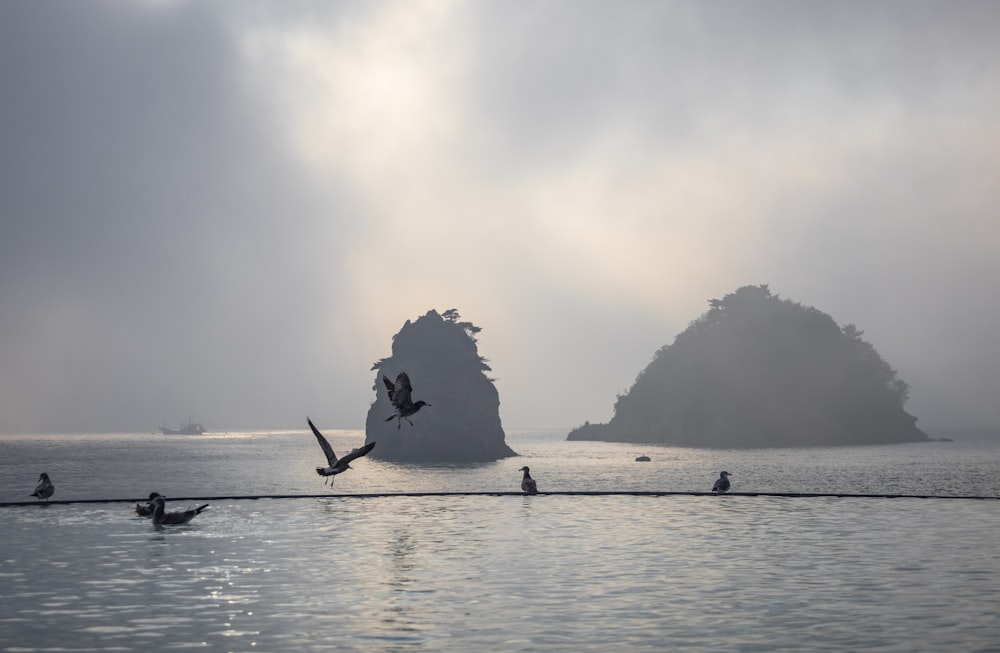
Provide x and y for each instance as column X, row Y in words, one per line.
column 225, row 210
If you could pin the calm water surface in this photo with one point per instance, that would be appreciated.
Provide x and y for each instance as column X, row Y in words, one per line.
column 499, row 573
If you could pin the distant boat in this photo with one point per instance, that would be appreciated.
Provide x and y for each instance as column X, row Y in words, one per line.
column 191, row 428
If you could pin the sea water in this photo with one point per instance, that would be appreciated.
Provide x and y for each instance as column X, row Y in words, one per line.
column 499, row 573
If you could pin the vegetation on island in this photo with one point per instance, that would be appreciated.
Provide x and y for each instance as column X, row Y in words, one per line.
column 440, row 354
column 760, row 371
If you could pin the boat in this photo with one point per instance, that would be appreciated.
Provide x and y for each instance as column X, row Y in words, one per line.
column 191, row 428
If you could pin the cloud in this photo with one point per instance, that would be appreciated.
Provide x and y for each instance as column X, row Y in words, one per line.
column 241, row 203
column 160, row 243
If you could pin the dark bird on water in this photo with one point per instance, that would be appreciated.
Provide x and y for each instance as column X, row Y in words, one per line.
column 399, row 395
column 643, row 459
column 336, row 465
column 175, row 518
column 147, row 509
column 528, row 484
column 44, row 489
column 721, row 483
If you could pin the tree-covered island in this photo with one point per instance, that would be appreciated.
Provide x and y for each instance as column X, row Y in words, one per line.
column 760, row 371
column 462, row 422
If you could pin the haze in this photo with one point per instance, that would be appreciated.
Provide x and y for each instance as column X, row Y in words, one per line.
column 225, row 210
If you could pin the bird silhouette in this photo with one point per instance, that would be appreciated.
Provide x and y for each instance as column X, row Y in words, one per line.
column 722, row 483
column 44, row 489
column 528, row 484
column 175, row 518
column 399, row 395
column 336, row 465
column 146, row 510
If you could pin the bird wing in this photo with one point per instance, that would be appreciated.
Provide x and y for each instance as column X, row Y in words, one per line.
column 357, row 453
column 178, row 517
column 390, row 387
column 401, row 391
column 331, row 457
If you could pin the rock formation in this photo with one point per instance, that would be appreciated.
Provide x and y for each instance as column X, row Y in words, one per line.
column 462, row 423
column 760, row 371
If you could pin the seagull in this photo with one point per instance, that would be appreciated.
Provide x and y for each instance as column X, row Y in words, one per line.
column 147, row 510
column 528, row 484
column 176, row 518
column 44, row 489
column 721, row 483
column 336, row 465
column 399, row 395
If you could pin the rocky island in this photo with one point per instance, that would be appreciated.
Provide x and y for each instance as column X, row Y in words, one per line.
column 462, row 422
column 760, row 371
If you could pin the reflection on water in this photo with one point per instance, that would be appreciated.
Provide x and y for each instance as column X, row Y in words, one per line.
column 512, row 573
column 507, row 573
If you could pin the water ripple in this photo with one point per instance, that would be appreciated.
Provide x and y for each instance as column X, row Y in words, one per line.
column 559, row 573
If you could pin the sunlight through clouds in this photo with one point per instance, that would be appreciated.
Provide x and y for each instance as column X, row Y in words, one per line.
column 635, row 212
column 366, row 99
column 576, row 178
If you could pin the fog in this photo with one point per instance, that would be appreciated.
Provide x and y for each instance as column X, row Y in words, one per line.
column 225, row 210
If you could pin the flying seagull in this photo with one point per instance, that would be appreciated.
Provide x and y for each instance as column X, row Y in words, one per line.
column 147, row 510
column 44, row 489
column 399, row 395
column 163, row 518
column 528, row 484
column 336, row 465
column 721, row 483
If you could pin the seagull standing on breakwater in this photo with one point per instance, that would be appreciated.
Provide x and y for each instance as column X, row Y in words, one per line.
column 399, row 395
column 336, row 465
column 44, row 489
column 528, row 485
column 722, row 483
column 148, row 509
column 163, row 518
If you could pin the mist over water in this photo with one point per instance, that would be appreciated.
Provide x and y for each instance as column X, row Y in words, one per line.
column 233, row 230
column 570, row 573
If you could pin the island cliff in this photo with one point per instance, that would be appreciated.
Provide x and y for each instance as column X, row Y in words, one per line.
column 760, row 371
column 462, row 422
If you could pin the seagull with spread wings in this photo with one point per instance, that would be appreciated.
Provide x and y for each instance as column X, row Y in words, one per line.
column 399, row 395
column 336, row 465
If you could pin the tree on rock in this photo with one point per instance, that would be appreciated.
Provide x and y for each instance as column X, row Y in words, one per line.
column 760, row 371
column 462, row 423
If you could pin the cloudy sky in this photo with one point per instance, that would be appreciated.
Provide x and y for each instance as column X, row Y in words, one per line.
column 225, row 210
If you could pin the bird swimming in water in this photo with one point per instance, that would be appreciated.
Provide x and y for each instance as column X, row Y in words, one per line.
column 44, row 489
column 721, row 483
column 528, row 485
column 147, row 509
column 336, row 465
column 399, row 395
column 163, row 518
